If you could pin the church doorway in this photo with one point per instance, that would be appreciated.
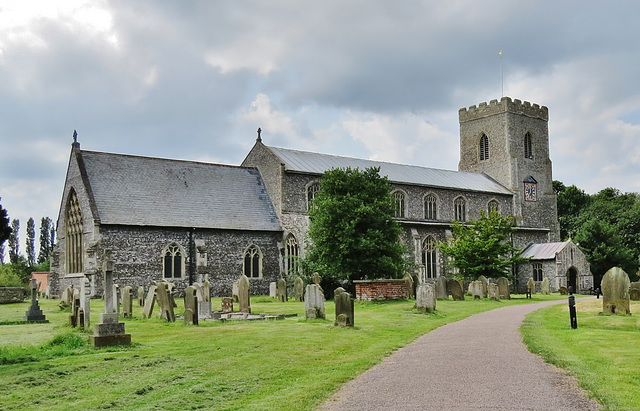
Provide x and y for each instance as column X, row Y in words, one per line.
column 572, row 279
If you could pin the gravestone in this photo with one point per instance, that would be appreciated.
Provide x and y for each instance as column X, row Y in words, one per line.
column 190, row 306
column 314, row 302
column 203, row 294
column 282, row 290
column 109, row 331
column 493, row 292
column 485, row 283
column 298, row 289
column 503, row 288
column 634, row 291
column 455, row 289
column 141, row 296
column 477, row 290
column 243, row 295
column 531, row 287
column 344, row 307
column 150, row 301
column 127, row 301
column 425, row 298
column 34, row 314
column 441, row 288
column 545, row 287
column 410, row 286
column 273, row 289
column 234, row 291
column 227, row 305
column 563, row 290
column 615, row 292
column 85, row 303
column 66, row 298
column 74, row 317
column 316, row 278
column 165, row 302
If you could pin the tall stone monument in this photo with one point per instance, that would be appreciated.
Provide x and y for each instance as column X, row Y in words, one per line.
column 615, row 292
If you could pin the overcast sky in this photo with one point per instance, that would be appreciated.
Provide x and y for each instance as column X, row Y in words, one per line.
column 373, row 79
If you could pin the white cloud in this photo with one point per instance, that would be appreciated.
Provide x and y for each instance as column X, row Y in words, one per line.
column 263, row 113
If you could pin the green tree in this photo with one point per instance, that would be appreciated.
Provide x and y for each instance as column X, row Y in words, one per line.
column 46, row 232
column 14, row 246
column 572, row 201
column 5, row 231
column 31, row 242
column 483, row 247
column 352, row 231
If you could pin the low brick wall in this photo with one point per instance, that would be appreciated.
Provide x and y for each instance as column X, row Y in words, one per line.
column 11, row 295
column 379, row 290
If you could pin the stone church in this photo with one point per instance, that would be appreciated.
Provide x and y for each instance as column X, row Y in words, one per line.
column 153, row 214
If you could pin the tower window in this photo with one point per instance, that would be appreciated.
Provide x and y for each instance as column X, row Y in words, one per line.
column 460, row 209
column 528, row 153
column 430, row 207
column 484, row 147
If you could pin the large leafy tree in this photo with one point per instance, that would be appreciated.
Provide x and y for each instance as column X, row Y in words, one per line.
column 31, row 242
column 483, row 247
column 352, row 230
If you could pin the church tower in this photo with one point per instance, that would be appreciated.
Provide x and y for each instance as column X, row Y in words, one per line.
column 509, row 141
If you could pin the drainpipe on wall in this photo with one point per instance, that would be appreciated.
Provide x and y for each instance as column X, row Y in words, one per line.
column 192, row 253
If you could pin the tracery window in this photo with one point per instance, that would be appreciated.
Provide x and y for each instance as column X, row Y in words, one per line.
column 537, row 271
column 429, row 257
column 528, row 153
column 173, row 261
column 484, row 147
column 430, row 207
column 253, row 262
column 292, row 255
column 399, row 201
column 460, row 209
column 493, row 206
column 312, row 190
column 73, row 227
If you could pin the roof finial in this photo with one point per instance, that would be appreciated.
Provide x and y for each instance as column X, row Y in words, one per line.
column 259, row 138
column 75, row 140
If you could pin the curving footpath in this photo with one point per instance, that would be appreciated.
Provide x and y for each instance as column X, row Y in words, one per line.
column 479, row 363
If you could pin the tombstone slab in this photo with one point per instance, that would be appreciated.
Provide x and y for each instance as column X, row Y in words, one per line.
column 493, row 292
column 531, row 287
column 227, row 305
column 298, row 289
column 344, row 308
column 165, row 302
column 149, row 301
column 282, row 290
column 140, row 296
column 485, row 283
column 410, row 286
column 503, row 288
column 273, row 289
column 615, row 292
column 425, row 298
column 545, row 287
column 634, row 291
column 127, row 301
column 455, row 289
column 314, row 302
column 476, row 289
column 243, row 294
column 441, row 288
column 190, row 306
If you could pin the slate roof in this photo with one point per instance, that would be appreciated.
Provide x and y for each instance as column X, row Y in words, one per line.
column 314, row 163
column 545, row 251
column 144, row 191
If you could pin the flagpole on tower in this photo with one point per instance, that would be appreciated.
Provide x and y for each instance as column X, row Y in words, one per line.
column 501, row 76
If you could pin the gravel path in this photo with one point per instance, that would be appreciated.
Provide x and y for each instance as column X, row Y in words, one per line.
column 479, row 363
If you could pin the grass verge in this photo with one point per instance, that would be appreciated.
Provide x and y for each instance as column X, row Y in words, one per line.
column 602, row 353
column 286, row 364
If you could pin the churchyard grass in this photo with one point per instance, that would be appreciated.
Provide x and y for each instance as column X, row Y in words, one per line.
column 602, row 353
column 281, row 364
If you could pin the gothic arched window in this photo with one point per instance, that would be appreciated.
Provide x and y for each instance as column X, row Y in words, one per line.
column 73, row 228
column 253, row 262
column 173, row 261
column 493, row 206
column 429, row 257
column 528, row 152
column 399, row 201
column 430, row 207
column 292, row 255
column 311, row 194
column 460, row 209
column 484, row 147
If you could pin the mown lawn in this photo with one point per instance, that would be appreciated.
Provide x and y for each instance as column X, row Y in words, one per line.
column 285, row 364
column 603, row 353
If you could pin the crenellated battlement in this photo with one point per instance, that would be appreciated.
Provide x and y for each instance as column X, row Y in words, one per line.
column 504, row 105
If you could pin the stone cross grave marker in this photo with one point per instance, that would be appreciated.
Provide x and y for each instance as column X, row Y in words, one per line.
column 503, row 288
column 425, row 298
column 615, row 292
column 34, row 314
column 243, row 294
column 314, row 302
column 298, row 289
column 344, row 308
column 190, row 306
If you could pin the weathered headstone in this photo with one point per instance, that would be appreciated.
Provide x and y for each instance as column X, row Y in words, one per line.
column 109, row 331
column 563, row 290
column 85, row 303
column 615, row 292
column 545, row 288
column 298, row 289
column 344, row 307
column 76, row 312
column 503, row 288
column 410, row 286
column 150, row 301
column 234, row 291
column 455, row 289
column 243, row 295
column 273, row 289
column 127, row 301
column 493, row 292
column 314, row 302
column 203, row 294
column 316, row 278
column 227, row 305
column 425, row 298
column 282, row 290
column 634, row 291
column 165, row 302
column 190, row 306
column 531, row 287
column 476, row 290
column 34, row 313
column 441, row 288
column 485, row 283
column 141, row 296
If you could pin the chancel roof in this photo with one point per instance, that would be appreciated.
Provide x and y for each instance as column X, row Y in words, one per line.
column 132, row 190
column 314, row 163
column 544, row 251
